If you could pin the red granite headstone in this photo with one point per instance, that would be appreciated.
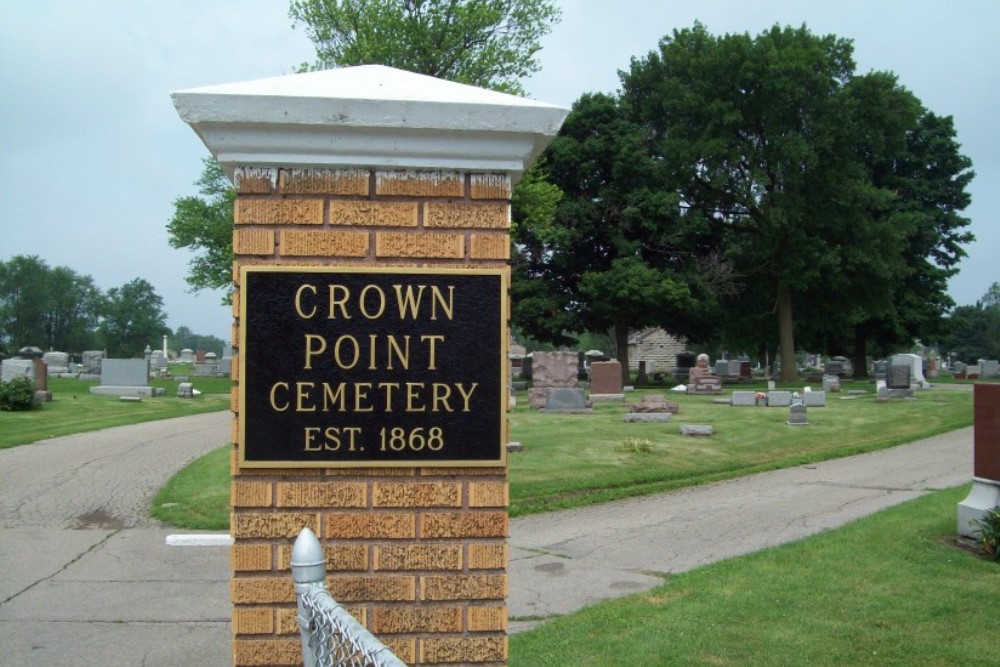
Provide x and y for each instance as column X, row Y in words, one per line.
column 986, row 462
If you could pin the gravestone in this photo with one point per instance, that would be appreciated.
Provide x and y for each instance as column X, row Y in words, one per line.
column 797, row 414
column 647, row 417
column 882, row 394
column 831, row 383
column 705, row 385
column 734, row 368
column 653, row 403
column 187, row 355
column 916, row 364
column 205, row 370
column 989, row 368
column 779, row 399
column 684, row 361
column 972, row 371
column 125, row 377
column 958, row 368
column 551, row 370
column 702, row 430
column 606, row 381
column 879, row 369
column 814, row 399
column 746, row 370
column 185, row 390
column 157, row 360
column 57, row 363
column 91, row 364
column 744, row 398
column 565, row 399
column 527, row 367
column 642, row 377
column 985, row 493
column 898, row 375
column 16, row 368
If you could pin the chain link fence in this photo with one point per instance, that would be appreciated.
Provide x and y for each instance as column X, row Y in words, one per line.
column 330, row 635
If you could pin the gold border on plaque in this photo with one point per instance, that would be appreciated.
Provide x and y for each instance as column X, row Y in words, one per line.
column 503, row 274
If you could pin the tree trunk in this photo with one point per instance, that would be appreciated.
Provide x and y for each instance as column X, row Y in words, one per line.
column 859, row 357
column 621, row 342
column 786, row 338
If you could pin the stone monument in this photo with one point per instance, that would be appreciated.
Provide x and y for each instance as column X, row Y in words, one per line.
column 985, row 493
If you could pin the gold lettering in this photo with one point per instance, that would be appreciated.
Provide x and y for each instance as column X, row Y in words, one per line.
column 310, row 352
column 274, row 404
column 331, row 397
column 364, row 297
column 311, row 432
column 432, row 365
column 361, row 390
column 466, row 396
column 412, row 395
column 388, row 386
column 339, row 301
column 357, row 352
column 437, row 298
column 298, row 301
column 403, row 357
column 409, row 303
column 441, row 397
column 302, row 394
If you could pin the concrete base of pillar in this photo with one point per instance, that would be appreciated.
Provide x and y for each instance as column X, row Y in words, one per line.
column 985, row 495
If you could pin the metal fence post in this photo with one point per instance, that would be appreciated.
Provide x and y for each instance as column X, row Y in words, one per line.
column 309, row 574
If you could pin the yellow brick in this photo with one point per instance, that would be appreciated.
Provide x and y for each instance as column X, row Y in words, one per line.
column 430, row 246
column 250, row 557
column 270, row 652
column 250, row 494
column 489, row 246
column 463, row 587
column 322, row 494
column 488, row 556
column 383, row 588
column 418, row 557
column 276, row 524
column 487, row 619
column 339, row 557
column 253, row 242
column 419, row 183
column 373, row 213
column 323, row 244
column 456, row 215
column 407, row 620
column 286, row 620
column 278, row 211
column 417, row 494
column 463, row 524
column 234, row 368
column 323, row 181
column 343, row 525
column 255, row 621
column 254, row 180
column 404, row 649
column 490, row 186
column 464, row 650
column 234, row 430
column 488, row 494
column 261, row 590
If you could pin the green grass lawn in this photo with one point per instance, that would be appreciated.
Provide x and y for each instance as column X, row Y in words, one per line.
column 890, row 589
column 571, row 460
column 73, row 409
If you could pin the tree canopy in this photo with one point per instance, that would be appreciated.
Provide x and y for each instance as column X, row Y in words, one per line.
column 133, row 318
column 486, row 43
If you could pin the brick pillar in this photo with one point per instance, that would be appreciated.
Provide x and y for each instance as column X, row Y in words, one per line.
column 419, row 555
column 369, row 170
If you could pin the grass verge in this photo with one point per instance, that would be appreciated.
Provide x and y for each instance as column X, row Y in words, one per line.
column 194, row 498
column 73, row 409
column 573, row 460
column 890, row 589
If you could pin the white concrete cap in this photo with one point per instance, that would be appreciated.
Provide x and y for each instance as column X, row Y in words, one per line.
column 368, row 116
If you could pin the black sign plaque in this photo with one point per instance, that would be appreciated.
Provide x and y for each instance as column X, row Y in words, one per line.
column 344, row 367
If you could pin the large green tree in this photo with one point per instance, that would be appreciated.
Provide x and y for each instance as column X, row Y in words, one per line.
column 608, row 258
column 804, row 168
column 486, row 43
column 133, row 318
column 204, row 225
column 52, row 308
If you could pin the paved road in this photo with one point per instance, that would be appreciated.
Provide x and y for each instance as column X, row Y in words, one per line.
column 86, row 577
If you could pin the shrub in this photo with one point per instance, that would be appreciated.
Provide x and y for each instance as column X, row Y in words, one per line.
column 17, row 394
column 636, row 445
column 989, row 533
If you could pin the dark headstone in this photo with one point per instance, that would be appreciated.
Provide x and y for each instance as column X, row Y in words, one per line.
column 898, row 377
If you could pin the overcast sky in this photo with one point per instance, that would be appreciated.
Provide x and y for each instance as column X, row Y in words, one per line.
column 92, row 152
